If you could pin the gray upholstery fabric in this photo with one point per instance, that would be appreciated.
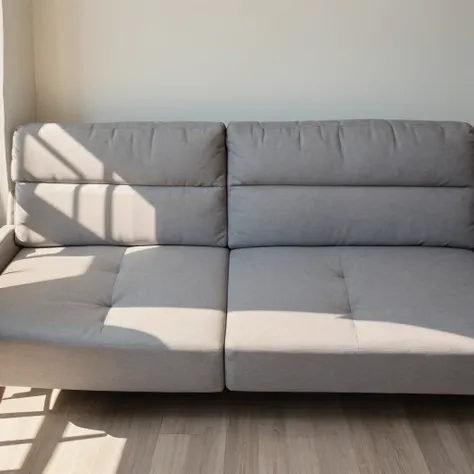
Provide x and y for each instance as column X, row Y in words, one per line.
column 327, row 215
column 90, row 214
column 123, row 311
column 351, row 183
column 114, row 318
column 152, row 154
column 120, row 184
column 351, row 153
column 8, row 247
column 348, row 319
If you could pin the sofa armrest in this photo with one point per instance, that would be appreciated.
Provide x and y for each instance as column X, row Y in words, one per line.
column 8, row 247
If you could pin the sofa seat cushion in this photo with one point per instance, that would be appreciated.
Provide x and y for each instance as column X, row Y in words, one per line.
column 114, row 318
column 351, row 319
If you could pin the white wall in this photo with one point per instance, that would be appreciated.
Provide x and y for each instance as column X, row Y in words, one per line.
column 99, row 60
column 17, row 80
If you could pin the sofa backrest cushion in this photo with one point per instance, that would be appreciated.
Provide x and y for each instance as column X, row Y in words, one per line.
column 362, row 182
column 120, row 184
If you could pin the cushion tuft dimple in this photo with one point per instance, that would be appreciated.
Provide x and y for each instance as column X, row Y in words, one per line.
column 115, row 318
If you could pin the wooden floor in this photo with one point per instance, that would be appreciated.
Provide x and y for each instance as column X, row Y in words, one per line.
column 79, row 432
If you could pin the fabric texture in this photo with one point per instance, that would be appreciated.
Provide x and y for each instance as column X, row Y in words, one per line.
column 328, row 215
column 147, row 154
column 351, row 153
column 123, row 285
column 8, row 247
column 49, row 214
column 351, row 183
column 120, row 184
column 351, row 319
column 115, row 318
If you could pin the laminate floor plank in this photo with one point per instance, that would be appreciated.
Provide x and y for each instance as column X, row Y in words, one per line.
column 432, row 426
column 385, row 442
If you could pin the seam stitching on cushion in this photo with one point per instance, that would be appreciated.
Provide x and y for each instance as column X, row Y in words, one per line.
column 339, row 142
column 351, row 314
column 139, row 126
column 113, row 290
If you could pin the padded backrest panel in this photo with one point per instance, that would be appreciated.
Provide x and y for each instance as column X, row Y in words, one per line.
column 362, row 182
column 120, row 184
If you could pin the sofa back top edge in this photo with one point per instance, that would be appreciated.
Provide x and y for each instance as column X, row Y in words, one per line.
column 351, row 153
column 134, row 153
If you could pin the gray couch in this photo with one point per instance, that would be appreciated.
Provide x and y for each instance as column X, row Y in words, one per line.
column 314, row 256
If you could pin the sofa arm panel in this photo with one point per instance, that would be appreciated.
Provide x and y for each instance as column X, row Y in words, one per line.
column 8, row 247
